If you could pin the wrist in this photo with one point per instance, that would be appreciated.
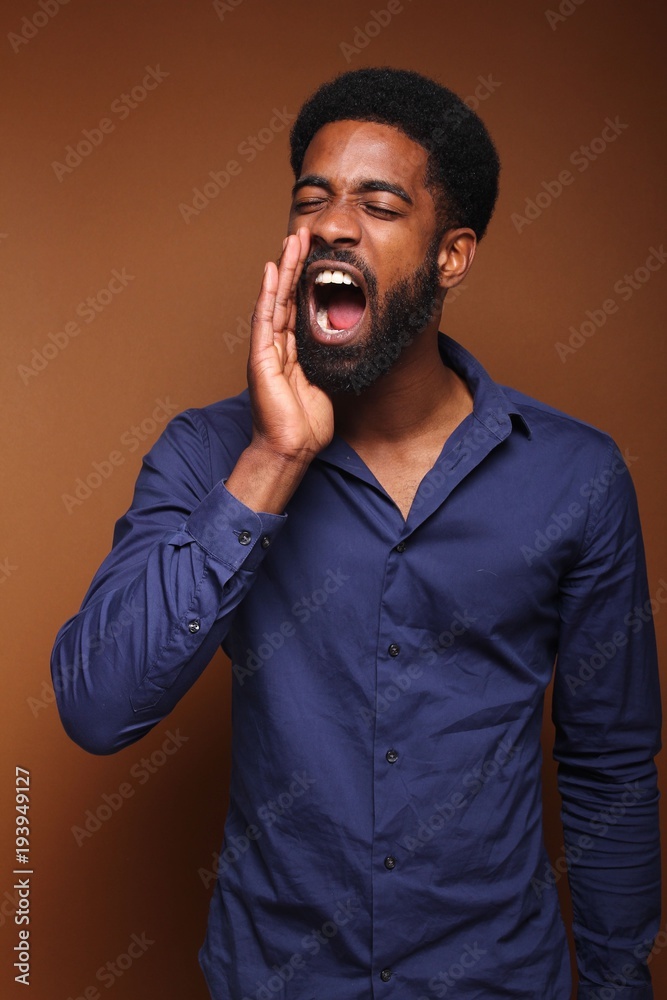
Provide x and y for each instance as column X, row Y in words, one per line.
column 264, row 479
column 278, row 459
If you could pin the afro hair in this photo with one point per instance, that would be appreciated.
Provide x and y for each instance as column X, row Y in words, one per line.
column 463, row 164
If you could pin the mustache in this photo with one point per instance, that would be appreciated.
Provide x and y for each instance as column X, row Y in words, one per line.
column 342, row 257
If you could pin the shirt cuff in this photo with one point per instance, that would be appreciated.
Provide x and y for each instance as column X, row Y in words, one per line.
column 231, row 532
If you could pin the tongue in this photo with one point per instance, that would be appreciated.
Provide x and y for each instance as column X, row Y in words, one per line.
column 345, row 308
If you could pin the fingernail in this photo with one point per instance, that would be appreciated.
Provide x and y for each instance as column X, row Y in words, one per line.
column 285, row 242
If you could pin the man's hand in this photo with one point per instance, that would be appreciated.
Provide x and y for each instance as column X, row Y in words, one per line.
column 292, row 419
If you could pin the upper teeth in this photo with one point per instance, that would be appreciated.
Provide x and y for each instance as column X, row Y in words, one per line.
column 335, row 277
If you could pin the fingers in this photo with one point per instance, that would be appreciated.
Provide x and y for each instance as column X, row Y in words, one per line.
column 262, row 320
column 304, row 237
column 275, row 309
column 291, row 265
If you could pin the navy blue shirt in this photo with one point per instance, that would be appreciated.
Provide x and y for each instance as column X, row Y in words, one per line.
column 384, row 834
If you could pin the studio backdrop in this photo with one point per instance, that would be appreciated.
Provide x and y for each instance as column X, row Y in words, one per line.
column 145, row 182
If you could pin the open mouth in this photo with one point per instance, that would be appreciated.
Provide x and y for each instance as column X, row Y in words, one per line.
column 337, row 304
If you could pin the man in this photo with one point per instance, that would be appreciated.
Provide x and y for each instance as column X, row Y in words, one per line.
column 393, row 550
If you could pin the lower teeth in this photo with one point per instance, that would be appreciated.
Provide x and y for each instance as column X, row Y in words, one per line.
column 323, row 321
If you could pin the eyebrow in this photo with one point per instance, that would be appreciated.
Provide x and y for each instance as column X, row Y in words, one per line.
column 365, row 184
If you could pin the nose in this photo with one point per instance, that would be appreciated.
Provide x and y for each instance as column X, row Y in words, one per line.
column 336, row 226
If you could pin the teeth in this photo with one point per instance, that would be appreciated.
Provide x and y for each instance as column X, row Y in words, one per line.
column 323, row 320
column 335, row 278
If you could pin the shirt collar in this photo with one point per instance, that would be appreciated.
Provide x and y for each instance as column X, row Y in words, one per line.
column 491, row 405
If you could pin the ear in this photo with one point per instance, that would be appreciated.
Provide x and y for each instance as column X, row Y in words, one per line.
column 455, row 256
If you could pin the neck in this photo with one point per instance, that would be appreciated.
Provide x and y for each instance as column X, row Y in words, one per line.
column 417, row 396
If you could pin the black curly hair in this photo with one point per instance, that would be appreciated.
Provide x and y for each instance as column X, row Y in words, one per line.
column 463, row 165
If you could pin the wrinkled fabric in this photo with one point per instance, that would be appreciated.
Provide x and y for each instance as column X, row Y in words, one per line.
column 384, row 834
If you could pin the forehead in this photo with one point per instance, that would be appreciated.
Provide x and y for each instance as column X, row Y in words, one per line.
column 346, row 151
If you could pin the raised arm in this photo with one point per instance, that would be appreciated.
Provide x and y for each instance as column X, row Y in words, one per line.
column 188, row 549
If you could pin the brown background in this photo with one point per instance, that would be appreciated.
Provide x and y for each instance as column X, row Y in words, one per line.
column 163, row 337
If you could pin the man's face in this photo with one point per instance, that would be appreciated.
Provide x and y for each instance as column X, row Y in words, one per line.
column 371, row 281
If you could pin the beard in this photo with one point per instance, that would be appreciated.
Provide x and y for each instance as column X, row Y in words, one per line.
column 395, row 320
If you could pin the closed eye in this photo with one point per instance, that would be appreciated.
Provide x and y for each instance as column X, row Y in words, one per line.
column 312, row 204
column 382, row 211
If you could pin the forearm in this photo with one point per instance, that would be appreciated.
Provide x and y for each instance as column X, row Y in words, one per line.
column 610, row 824
column 606, row 706
column 160, row 604
column 264, row 480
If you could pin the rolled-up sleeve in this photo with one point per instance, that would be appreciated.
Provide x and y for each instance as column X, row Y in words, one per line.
column 606, row 709
column 183, row 557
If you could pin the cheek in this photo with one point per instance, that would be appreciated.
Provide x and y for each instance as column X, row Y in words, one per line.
column 395, row 266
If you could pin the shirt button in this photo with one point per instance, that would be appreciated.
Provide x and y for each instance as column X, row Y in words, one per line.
column 389, row 863
column 245, row 537
column 394, row 649
column 392, row 756
column 194, row 625
column 385, row 975
column 266, row 541
column 401, row 547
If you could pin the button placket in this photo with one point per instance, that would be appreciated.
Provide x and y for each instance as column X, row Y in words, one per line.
column 388, row 877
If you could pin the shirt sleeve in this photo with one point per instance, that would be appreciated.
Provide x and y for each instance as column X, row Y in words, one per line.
column 606, row 709
column 161, row 603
